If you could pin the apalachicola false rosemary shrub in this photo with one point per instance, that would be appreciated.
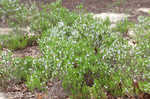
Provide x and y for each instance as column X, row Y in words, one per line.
column 85, row 54
column 89, row 59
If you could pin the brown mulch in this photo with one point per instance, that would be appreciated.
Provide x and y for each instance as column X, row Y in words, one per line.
column 32, row 51
column 98, row 6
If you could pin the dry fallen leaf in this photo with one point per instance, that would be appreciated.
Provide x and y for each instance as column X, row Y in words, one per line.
column 39, row 96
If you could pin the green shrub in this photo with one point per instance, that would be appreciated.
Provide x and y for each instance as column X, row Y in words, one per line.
column 86, row 56
column 85, row 53
column 16, row 41
column 13, row 42
column 16, row 13
column 30, row 70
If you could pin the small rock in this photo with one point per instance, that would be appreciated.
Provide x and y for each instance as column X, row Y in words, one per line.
column 5, row 31
column 3, row 96
column 114, row 17
column 131, row 33
column 145, row 10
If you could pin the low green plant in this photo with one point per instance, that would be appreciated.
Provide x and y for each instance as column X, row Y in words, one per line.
column 16, row 41
column 30, row 70
column 119, row 2
column 16, row 13
column 5, row 69
column 123, row 26
column 13, row 43
column 26, row 69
